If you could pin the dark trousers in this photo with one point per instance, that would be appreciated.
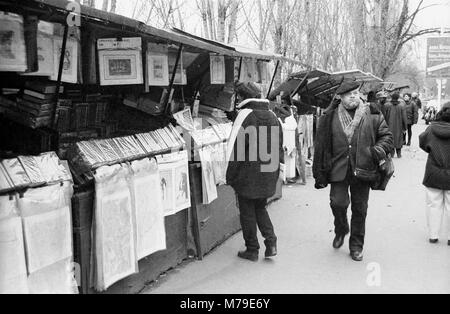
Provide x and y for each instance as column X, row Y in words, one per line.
column 409, row 134
column 340, row 201
column 253, row 215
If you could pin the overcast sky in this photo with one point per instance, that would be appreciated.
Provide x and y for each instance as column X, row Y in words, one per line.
column 436, row 15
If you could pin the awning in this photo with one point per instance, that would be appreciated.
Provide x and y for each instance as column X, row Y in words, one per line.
column 57, row 10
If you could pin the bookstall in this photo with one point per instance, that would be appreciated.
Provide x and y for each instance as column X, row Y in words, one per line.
column 138, row 117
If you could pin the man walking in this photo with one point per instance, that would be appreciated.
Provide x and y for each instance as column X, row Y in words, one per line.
column 352, row 140
column 255, row 152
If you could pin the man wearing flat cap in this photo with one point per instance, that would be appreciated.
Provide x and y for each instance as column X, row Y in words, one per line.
column 254, row 155
column 353, row 139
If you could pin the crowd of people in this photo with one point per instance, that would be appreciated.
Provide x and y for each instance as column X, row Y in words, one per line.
column 354, row 146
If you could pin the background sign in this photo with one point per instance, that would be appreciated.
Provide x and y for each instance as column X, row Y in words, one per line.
column 438, row 57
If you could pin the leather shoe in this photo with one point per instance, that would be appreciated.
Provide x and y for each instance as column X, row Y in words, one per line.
column 271, row 251
column 434, row 241
column 357, row 256
column 249, row 255
column 338, row 241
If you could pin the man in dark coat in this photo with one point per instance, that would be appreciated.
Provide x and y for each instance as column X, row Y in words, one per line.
column 353, row 139
column 397, row 122
column 255, row 153
column 436, row 142
column 412, row 113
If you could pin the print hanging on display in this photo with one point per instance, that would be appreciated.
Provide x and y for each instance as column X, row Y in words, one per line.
column 217, row 69
column 70, row 65
column 180, row 76
column 248, row 71
column 45, row 50
column 158, row 65
column 12, row 44
column 120, row 62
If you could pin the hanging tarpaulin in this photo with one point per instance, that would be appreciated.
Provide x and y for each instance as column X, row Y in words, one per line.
column 13, row 56
column 158, row 65
column 147, row 201
column 120, row 61
column 217, row 69
column 115, row 238
column 174, row 175
column 47, row 228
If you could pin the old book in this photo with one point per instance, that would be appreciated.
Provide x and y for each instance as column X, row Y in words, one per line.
column 43, row 87
column 38, row 95
column 37, row 100
column 37, row 106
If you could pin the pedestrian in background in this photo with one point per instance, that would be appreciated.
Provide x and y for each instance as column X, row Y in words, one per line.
column 398, row 122
column 412, row 113
column 436, row 142
column 352, row 140
column 254, row 179
column 416, row 99
column 382, row 98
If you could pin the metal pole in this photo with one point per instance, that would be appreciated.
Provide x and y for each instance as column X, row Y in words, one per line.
column 172, row 79
column 240, row 69
column 273, row 79
column 301, row 84
column 60, row 72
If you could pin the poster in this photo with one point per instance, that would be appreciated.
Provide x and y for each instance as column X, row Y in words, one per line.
column 174, row 174
column 70, row 65
column 13, row 271
column 48, row 238
column 12, row 44
column 208, row 180
column 217, row 69
column 147, row 196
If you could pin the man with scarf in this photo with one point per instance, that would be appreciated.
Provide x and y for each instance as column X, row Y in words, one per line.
column 352, row 141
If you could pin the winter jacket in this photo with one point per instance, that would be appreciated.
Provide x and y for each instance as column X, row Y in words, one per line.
column 397, row 121
column 371, row 144
column 436, row 142
column 248, row 177
column 412, row 113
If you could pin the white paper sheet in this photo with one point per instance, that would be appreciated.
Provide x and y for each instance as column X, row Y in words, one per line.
column 147, row 195
column 54, row 279
column 48, row 238
column 115, row 227
column 208, row 179
column 13, row 271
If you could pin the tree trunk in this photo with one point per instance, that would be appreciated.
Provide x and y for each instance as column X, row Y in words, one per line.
column 113, row 6
column 232, row 29
column 105, row 5
column 222, row 8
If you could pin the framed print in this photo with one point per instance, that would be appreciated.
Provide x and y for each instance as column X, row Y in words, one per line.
column 70, row 66
column 12, row 44
column 158, row 69
column 217, row 69
column 120, row 61
column 120, row 67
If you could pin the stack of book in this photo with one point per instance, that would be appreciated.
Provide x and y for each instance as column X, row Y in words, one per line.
column 38, row 103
